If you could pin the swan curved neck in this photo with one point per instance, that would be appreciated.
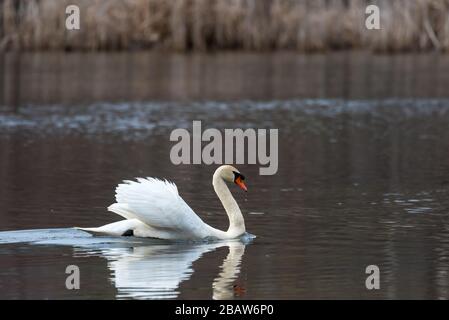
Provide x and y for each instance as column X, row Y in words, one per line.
column 236, row 222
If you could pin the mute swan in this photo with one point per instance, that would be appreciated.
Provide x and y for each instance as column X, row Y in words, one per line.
column 154, row 209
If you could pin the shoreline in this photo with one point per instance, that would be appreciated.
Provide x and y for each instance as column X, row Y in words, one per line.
column 225, row 52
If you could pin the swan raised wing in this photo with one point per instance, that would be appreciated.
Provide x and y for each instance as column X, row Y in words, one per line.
column 158, row 204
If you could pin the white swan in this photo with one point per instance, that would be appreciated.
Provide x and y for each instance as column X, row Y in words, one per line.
column 153, row 208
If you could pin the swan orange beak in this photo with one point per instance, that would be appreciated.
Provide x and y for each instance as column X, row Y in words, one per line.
column 241, row 184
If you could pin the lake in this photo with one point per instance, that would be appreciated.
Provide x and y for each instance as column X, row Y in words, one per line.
column 363, row 174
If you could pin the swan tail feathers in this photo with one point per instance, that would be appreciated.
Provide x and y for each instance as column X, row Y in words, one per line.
column 119, row 228
column 93, row 231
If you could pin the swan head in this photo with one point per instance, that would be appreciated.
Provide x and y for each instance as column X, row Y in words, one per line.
column 231, row 174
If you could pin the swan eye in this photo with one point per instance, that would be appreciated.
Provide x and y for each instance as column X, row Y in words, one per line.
column 238, row 175
column 238, row 180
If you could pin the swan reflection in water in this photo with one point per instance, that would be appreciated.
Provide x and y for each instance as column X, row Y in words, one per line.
column 156, row 271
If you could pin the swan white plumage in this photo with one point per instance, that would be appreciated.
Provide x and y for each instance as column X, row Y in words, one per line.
column 153, row 208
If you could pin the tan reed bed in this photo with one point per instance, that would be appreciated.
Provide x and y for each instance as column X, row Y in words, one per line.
column 259, row 25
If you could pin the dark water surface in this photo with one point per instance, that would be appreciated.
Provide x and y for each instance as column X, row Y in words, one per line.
column 363, row 174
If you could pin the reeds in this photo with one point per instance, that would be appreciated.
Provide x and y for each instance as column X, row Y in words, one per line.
column 183, row 25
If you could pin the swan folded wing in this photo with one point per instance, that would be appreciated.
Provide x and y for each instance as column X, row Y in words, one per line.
column 158, row 204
